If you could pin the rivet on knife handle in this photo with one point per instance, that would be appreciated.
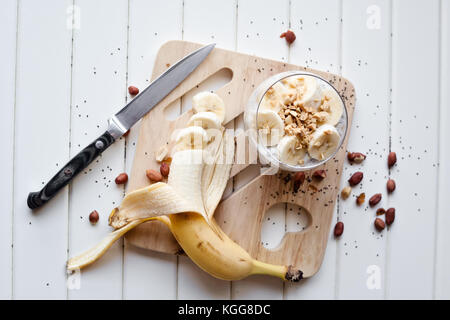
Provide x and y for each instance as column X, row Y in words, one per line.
column 70, row 170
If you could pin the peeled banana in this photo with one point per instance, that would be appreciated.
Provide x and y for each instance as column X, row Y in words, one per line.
column 186, row 205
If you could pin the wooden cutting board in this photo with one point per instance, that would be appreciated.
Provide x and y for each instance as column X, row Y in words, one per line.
column 242, row 213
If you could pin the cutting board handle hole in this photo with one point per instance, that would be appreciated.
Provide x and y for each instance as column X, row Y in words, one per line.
column 213, row 83
column 282, row 218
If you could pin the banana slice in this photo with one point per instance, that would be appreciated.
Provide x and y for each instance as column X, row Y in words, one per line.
column 208, row 121
column 332, row 104
column 324, row 142
column 290, row 151
column 309, row 93
column 270, row 127
column 191, row 138
column 274, row 98
column 209, row 102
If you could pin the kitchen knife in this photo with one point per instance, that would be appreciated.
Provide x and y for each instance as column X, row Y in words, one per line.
column 120, row 123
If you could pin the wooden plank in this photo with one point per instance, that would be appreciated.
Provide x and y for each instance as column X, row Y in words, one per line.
column 442, row 280
column 41, row 147
column 196, row 284
column 415, row 112
column 317, row 25
column 98, row 90
column 148, row 274
column 8, row 24
column 204, row 23
column 365, row 51
column 258, row 33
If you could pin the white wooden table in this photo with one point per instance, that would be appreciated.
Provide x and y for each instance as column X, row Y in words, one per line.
column 65, row 65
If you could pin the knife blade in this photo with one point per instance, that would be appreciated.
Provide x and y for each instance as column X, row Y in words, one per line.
column 121, row 122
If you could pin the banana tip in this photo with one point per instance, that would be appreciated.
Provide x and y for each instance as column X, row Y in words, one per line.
column 293, row 275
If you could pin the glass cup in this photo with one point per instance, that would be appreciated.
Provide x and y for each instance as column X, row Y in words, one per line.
column 268, row 155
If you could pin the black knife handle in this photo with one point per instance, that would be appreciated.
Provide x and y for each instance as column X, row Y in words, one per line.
column 70, row 170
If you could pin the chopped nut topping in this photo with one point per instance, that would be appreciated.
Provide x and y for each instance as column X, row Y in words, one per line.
column 300, row 121
column 288, row 120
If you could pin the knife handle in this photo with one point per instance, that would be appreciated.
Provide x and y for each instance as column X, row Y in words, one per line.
column 70, row 170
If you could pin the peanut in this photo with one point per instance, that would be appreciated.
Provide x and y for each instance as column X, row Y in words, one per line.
column 360, row 199
column 392, row 159
column 345, row 193
column 379, row 224
column 390, row 186
column 338, row 229
column 390, row 216
column 133, row 90
column 319, row 174
column 164, row 169
column 356, row 178
column 289, row 36
column 356, row 157
column 93, row 217
column 153, row 175
column 121, row 178
column 299, row 178
column 373, row 201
